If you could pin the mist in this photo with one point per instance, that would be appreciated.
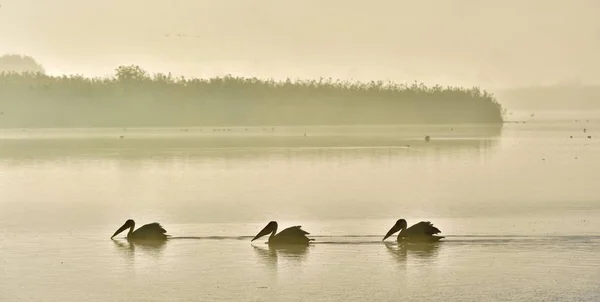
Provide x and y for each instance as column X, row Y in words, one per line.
column 395, row 150
column 491, row 44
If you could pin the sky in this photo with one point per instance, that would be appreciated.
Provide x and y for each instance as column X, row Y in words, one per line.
column 493, row 44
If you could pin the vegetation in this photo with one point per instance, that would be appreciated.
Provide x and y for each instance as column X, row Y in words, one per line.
column 19, row 64
column 134, row 98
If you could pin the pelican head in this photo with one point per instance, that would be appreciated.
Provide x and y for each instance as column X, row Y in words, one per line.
column 270, row 228
column 128, row 224
column 400, row 225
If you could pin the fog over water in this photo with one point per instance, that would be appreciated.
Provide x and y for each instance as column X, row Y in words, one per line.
column 518, row 208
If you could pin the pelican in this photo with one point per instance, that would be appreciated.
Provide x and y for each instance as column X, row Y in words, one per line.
column 291, row 235
column 149, row 232
column 423, row 231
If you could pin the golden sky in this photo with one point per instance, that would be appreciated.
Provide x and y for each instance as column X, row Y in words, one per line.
column 462, row 42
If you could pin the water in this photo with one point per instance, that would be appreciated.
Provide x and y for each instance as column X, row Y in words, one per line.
column 519, row 206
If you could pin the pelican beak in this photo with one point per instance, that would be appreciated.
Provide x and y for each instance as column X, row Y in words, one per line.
column 266, row 230
column 391, row 232
column 121, row 229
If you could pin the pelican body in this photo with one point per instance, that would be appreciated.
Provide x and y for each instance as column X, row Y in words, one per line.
column 290, row 236
column 423, row 231
column 149, row 232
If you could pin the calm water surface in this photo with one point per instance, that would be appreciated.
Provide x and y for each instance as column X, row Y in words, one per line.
column 519, row 206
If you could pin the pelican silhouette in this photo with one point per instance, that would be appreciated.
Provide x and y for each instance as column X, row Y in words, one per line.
column 149, row 232
column 289, row 236
column 423, row 231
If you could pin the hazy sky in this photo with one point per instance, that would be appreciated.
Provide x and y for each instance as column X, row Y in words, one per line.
column 464, row 42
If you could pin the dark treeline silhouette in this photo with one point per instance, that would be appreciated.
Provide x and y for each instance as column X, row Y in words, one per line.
column 134, row 98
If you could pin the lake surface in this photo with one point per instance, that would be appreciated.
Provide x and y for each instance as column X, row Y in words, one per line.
column 519, row 205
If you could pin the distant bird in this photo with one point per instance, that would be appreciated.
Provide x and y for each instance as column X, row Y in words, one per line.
column 427, row 138
column 423, row 231
column 149, row 232
column 290, row 236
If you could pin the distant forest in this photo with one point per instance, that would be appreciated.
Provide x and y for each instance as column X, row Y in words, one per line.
column 19, row 64
column 134, row 98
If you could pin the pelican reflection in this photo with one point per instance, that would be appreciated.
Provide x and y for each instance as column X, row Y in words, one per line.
column 272, row 254
column 401, row 251
column 128, row 248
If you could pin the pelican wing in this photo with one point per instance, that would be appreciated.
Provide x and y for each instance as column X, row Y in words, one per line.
column 150, row 231
column 294, row 231
column 292, row 235
column 423, row 228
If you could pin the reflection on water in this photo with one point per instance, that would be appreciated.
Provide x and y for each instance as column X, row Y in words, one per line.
column 401, row 251
column 271, row 255
column 290, row 252
column 150, row 248
column 39, row 144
